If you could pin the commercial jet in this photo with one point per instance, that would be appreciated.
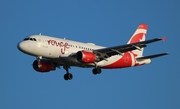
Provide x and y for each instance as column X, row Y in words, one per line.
column 52, row 53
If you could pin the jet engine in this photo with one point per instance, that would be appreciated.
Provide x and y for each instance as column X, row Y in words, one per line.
column 86, row 57
column 43, row 66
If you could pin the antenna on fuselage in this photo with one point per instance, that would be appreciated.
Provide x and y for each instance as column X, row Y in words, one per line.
column 64, row 38
column 40, row 34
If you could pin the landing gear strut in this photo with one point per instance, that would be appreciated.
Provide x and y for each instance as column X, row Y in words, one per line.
column 67, row 76
column 96, row 70
column 39, row 60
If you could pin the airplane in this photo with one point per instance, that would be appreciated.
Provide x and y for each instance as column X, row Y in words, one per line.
column 52, row 53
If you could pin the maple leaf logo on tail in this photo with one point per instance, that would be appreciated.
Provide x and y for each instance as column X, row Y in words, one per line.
column 138, row 36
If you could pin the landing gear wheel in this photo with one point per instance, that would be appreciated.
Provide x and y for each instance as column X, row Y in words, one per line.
column 96, row 71
column 68, row 76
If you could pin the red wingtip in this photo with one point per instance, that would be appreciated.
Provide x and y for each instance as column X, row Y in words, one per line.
column 164, row 38
column 143, row 26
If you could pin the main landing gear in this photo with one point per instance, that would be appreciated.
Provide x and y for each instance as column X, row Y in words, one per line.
column 96, row 71
column 67, row 76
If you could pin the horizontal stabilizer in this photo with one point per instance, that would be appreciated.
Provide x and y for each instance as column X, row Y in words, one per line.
column 152, row 56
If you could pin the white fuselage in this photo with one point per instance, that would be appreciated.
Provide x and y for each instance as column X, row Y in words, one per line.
column 57, row 52
column 51, row 47
column 62, row 49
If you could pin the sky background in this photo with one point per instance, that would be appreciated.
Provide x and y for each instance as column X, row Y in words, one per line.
column 103, row 22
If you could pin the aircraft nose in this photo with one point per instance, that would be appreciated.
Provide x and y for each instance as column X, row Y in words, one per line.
column 21, row 46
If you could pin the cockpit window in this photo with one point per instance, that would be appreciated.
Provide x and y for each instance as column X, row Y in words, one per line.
column 26, row 39
column 32, row 39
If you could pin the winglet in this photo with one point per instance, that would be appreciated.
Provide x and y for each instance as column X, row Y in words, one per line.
column 164, row 38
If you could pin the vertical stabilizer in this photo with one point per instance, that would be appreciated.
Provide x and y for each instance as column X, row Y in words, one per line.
column 138, row 36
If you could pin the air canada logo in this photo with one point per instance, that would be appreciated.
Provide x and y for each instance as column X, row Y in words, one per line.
column 63, row 45
column 137, row 38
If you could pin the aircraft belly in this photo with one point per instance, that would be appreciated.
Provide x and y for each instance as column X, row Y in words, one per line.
column 110, row 60
column 71, row 61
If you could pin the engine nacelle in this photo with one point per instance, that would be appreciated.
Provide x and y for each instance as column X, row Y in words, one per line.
column 86, row 57
column 44, row 66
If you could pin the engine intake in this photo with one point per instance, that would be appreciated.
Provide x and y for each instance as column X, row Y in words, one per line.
column 44, row 66
column 86, row 57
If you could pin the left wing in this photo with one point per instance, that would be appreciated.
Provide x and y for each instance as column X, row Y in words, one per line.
column 111, row 51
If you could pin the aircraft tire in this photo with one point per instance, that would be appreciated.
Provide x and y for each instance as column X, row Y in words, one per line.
column 68, row 76
column 96, row 71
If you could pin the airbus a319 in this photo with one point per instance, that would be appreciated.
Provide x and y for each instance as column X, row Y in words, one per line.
column 52, row 53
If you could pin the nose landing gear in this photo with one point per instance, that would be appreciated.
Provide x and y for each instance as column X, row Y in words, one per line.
column 67, row 76
column 39, row 60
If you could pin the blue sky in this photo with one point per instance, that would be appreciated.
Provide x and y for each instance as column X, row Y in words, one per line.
column 103, row 22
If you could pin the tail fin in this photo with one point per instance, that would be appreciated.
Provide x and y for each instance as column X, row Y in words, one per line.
column 138, row 36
